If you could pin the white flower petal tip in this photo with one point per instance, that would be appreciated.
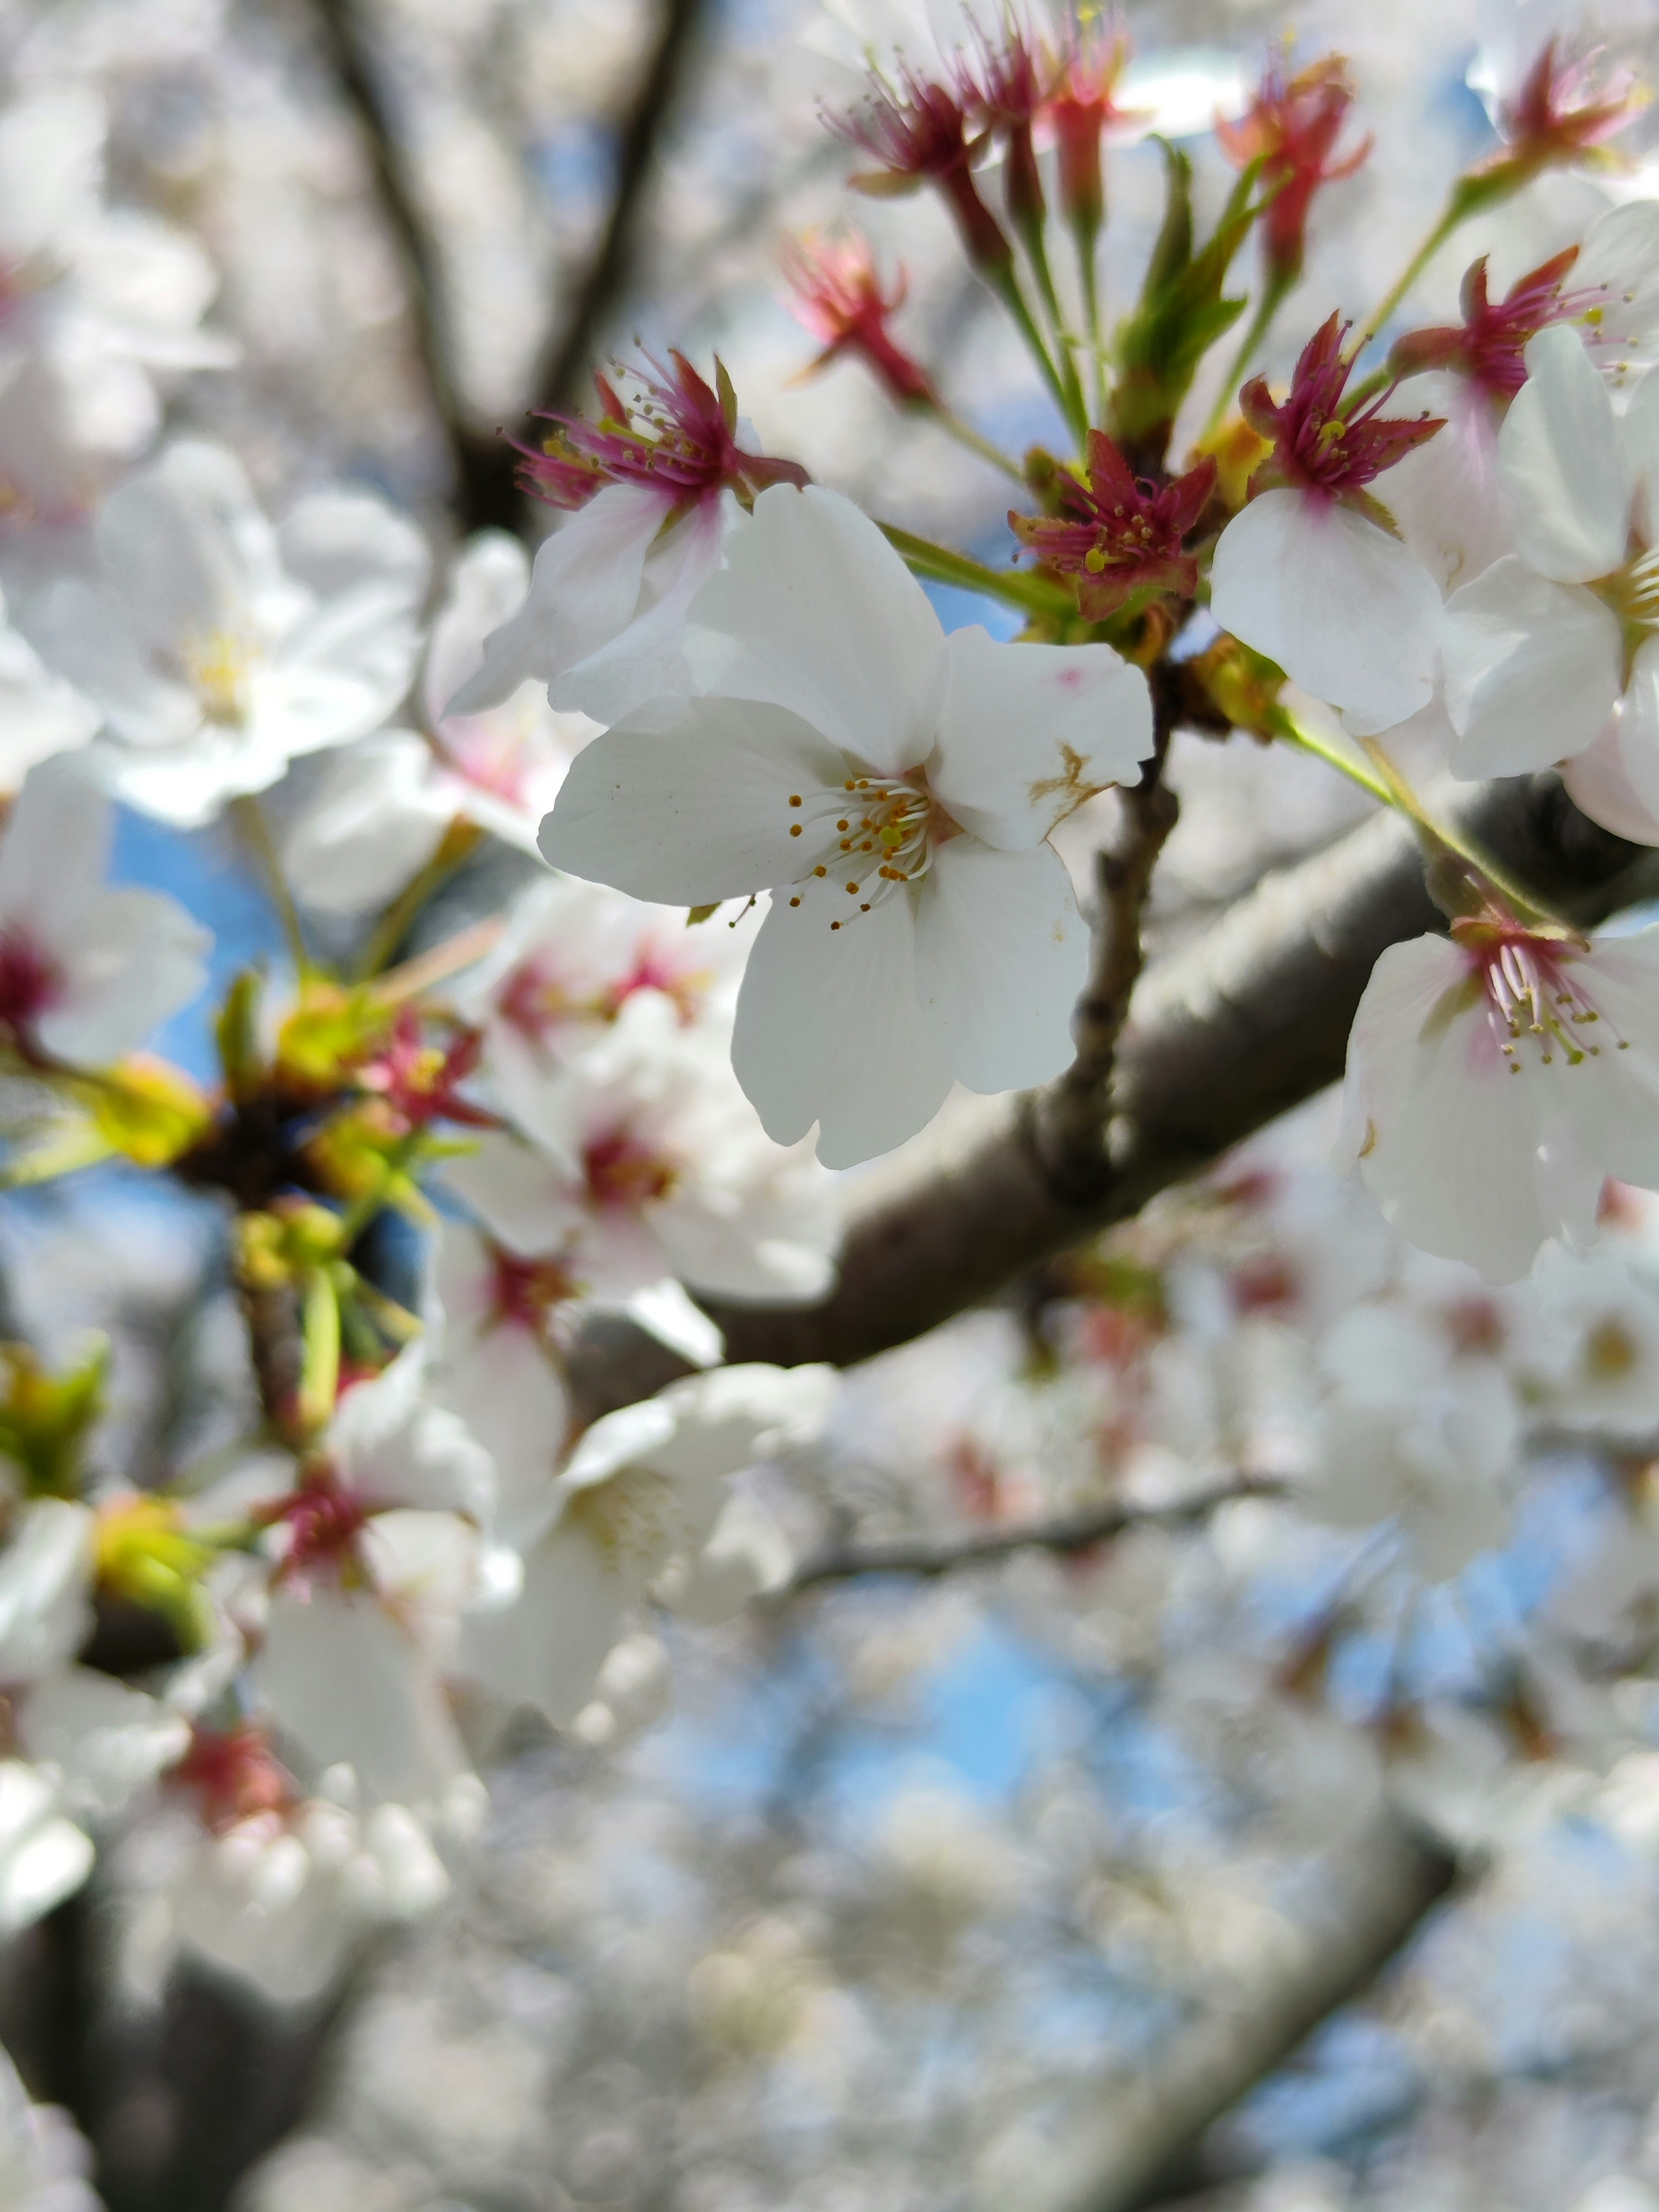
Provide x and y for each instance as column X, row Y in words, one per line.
column 1494, row 1083
column 1348, row 613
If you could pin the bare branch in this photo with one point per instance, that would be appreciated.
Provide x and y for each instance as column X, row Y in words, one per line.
column 607, row 283
column 1075, row 1532
column 1245, row 1023
column 1069, row 1122
column 483, row 463
column 1147, row 2143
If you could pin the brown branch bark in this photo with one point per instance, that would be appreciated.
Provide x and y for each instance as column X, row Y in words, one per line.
column 1068, row 1123
column 483, row 462
column 605, row 286
column 929, row 1556
column 1147, row 2143
column 1246, row 1021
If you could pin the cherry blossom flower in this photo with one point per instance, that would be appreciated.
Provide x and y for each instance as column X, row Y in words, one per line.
column 41, row 714
column 86, row 972
column 219, row 649
column 1494, row 1080
column 896, row 789
column 94, row 303
column 1582, row 1342
column 917, row 129
column 1562, row 111
column 1410, row 1432
column 494, row 1360
column 573, row 956
column 837, row 293
column 639, row 1500
column 382, row 807
column 278, row 1887
column 645, row 1163
column 1119, row 535
column 1541, row 647
column 1081, row 109
column 372, row 1534
column 601, row 624
column 1292, row 127
column 1306, row 573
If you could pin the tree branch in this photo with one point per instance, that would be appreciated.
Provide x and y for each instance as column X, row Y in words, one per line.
column 1147, row 2144
column 1068, row 1123
column 561, row 383
column 483, row 463
column 928, row 1556
column 1245, row 1023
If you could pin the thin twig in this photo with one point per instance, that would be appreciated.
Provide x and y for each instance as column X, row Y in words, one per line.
column 1069, row 1121
column 610, row 272
column 927, row 1556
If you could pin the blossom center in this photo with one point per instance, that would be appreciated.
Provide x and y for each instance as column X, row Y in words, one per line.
column 218, row 666
column 30, row 981
column 872, row 837
column 1538, row 1013
column 632, row 1517
column 526, row 1291
column 623, row 1172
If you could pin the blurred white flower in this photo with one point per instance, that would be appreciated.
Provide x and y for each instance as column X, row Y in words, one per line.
column 1495, row 1080
column 43, row 1856
column 646, row 1162
column 642, row 1496
column 1412, row 1433
column 45, row 2162
column 218, row 647
column 380, row 809
column 86, row 972
column 1584, row 1343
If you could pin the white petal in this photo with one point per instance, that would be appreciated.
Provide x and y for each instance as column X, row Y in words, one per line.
column 829, row 1028
column 185, row 545
column 1600, row 783
column 1568, row 487
column 689, row 803
column 393, row 1448
column 133, row 958
column 546, row 1649
column 488, row 583
column 107, row 1740
column 45, row 1587
column 584, row 588
column 1002, row 954
column 528, row 1201
column 1347, row 612
column 1532, row 669
column 375, row 817
column 1446, row 496
column 816, row 613
column 352, row 1686
column 646, row 659
column 336, row 542
column 1620, row 256
column 1027, row 733
column 1638, row 736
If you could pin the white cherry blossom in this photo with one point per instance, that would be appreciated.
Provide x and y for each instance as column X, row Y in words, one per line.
column 645, row 1162
column 86, row 972
column 217, row 647
column 1412, row 1432
column 896, row 789
column 1582, row 1342
column 642, row 1496
column 1540, row 649
column 380, row 809
column 1495, row 1079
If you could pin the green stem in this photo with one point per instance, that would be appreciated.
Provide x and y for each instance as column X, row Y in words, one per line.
column 1076, row 406
column 1408, row 276
column 1006, row 284
column 363, row 1209
column 319, row 1374
column 1261, row 323
column 250, row 819
column 1084, row 235
column 1033, row 594
column 395, row 924
column 1526, row 908
column 965, row 435
column 1285, row 727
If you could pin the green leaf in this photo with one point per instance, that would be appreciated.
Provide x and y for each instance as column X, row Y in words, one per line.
column 1183, row 312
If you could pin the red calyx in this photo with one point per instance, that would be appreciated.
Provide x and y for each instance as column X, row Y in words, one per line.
column 1121, row 534
column 918, row 131
column 234, row 1774
column 1489, row 345
column 1317, row 446
column 421, row 1082
column 1556, row 115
